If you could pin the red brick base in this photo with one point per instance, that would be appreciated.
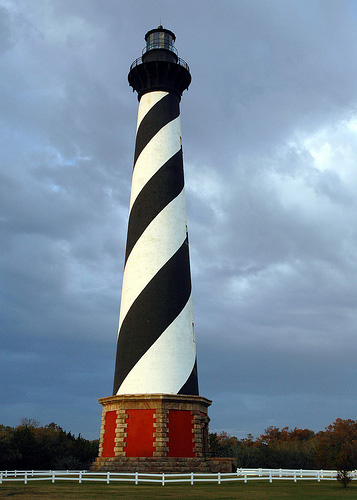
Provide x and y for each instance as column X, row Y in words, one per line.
column 162, row 428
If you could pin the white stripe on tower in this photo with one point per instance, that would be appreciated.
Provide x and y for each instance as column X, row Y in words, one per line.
column 164, row 367
column 153, row 251
column 156, row 348
column 154, row 155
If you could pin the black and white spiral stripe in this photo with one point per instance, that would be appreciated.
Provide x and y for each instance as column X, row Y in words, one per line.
column 156, row 350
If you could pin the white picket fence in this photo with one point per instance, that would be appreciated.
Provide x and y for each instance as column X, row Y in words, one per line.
column 244, row 475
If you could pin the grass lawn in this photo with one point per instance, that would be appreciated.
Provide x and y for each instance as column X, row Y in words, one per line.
column 253, row 490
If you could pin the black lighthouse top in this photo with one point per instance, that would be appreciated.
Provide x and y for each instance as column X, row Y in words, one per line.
column 159, row 67
column 160, row 38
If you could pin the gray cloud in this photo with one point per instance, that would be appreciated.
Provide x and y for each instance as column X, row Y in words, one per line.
column 270, row 141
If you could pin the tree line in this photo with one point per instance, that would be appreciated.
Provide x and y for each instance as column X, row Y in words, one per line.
column 32, row 446
column 334, row 448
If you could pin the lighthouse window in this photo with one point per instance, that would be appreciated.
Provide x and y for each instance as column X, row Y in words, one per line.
column 160, row 40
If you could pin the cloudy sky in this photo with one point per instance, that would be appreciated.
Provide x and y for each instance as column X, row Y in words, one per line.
column 269, row 130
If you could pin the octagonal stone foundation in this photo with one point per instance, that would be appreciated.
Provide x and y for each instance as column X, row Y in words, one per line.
column 154, row 432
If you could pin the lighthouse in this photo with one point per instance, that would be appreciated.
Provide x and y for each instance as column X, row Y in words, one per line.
column 156, row 350
column 156, row 420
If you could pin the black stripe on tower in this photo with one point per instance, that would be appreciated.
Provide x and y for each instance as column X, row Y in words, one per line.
column 152, row 312
column 158, row 192
column 163, row 112
column 191, row 385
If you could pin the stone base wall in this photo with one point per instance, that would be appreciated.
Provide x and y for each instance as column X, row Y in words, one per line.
column 153, row 428
column 168, row 465
column 222, row 464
